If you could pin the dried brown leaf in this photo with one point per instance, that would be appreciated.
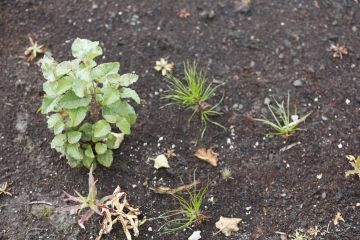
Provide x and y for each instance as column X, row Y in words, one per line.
column 207, row 155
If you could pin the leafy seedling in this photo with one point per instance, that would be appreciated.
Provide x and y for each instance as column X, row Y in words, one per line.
column 34, row 50
column 192, row 93
column 86, row 103
column 355, row 162
column 189, row 214
column 226, row 174
column 283, row 122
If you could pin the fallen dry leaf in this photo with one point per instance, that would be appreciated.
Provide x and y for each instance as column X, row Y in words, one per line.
column 207, row 155
column 161, row 162
column 338, row 218
column 228, row 225
column 163, row 190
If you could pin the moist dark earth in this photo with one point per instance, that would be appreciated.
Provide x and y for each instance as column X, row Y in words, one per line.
column 258, row 52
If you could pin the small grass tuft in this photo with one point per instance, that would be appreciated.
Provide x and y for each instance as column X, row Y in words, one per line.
column 284, row 123
column 189, row 214
column 194, row 94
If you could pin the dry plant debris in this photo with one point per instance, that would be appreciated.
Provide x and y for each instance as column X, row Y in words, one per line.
column 184, row 13
column 338, row 51
column 170, row 153
column 355, row 162
column 207, row 155
column 314, row 231
column 33, row 51
column 299, row 235
column 118, row 210
column 168, row 190
column 163, row 66
column 161, row 162
column 338, row 218
column 228, row 225
column 4, row 189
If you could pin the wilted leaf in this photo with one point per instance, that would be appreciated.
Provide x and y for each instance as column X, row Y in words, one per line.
column 207, row 155
column 228, row 225
column 161, row 162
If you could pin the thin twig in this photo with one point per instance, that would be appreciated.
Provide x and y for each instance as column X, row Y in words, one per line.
column 41, row 202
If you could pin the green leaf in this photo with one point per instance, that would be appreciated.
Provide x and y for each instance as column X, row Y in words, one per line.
column 101, row 128
column 83, row 48
column 48, row 67
column 71, row 101
column 87, row 131
column 100, row 72
column 89, row 162
column 50, row 88
column 129, row 93
column 105, row 159
column 73, row 137
column 54, row 119
column 77, row 115
column 63, row 68
column 59, row 127
column 89, row 152
column 79, row 88
column 64, row 84
column 73, row 162
column 58, row 141
column 74, row 151
column 100, row 148
column 111, row 95
column 84, row 74
column 128, row 79
column 49, row 104
column 124, row 125
column 119, row 109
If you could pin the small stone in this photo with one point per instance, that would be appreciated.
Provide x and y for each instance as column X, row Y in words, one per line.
column 323, row 195
column 347, row 101
column 207, row 15
column 298, row 83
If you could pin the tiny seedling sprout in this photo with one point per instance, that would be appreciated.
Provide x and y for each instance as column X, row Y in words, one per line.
column 284, row 123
